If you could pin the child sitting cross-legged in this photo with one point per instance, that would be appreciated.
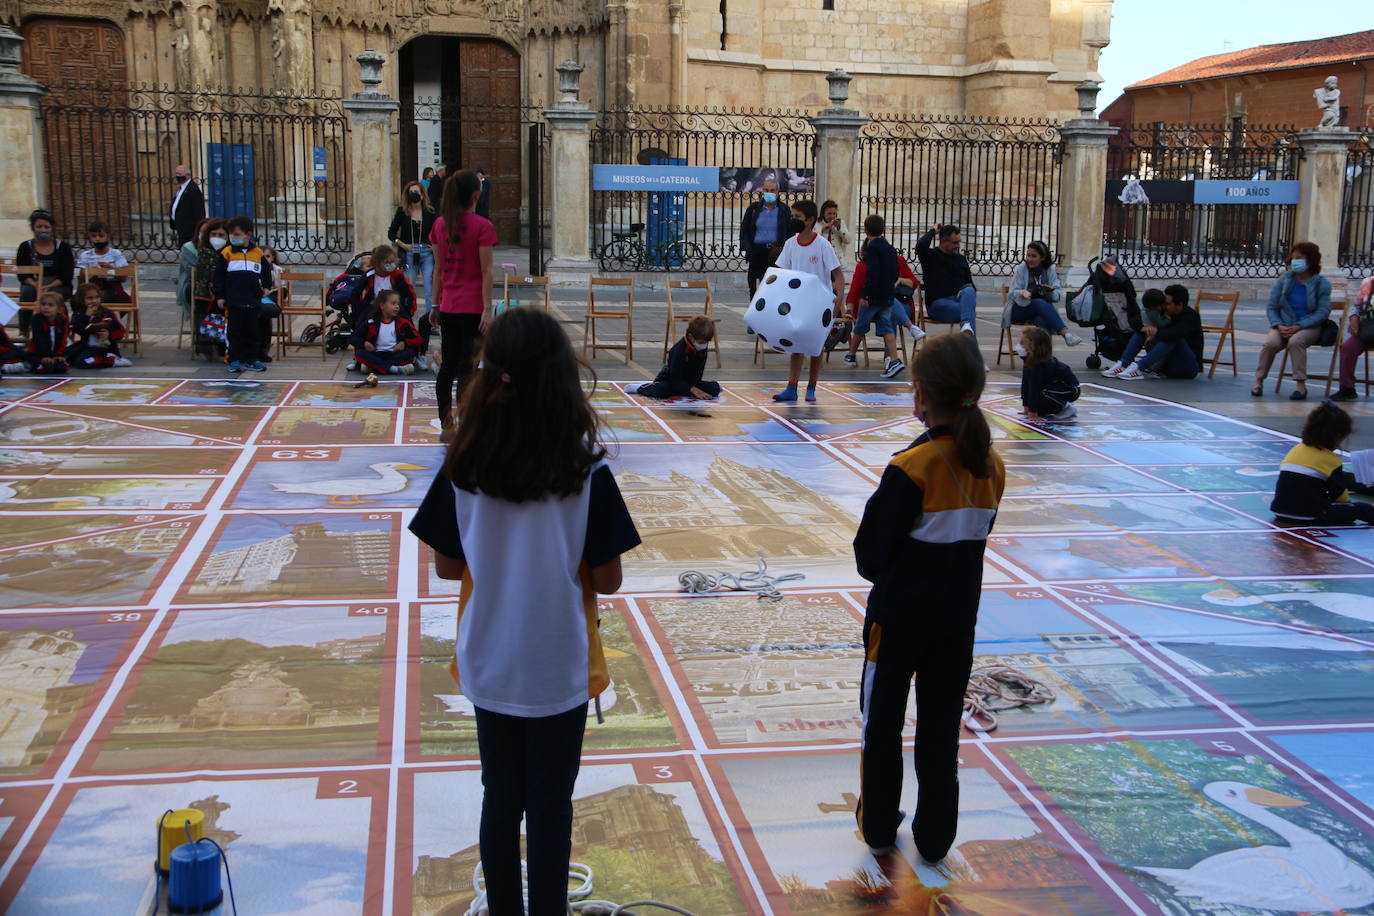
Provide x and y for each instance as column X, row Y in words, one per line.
column 97, row 330
column 48, row 336
column 1313, row 487
column 386, row 341
column 681, row 376
column 11, row 356
column 1048, row 387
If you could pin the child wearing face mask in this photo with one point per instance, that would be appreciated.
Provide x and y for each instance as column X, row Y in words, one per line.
column 242, row 277
column 681, row 376
column 102, row 255
column 1048, row 387
column 388, row 273
column 97, row 331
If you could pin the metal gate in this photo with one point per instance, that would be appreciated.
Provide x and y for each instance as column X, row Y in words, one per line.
column 997, row 180
column 698, row 231
column 1357, row 209
column 282, row 159
column 1172, row 239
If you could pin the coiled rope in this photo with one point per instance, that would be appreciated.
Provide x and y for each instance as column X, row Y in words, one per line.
column 696, row 582
column 998, row 688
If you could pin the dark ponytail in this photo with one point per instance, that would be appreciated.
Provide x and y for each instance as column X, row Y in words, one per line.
column 458, row 192
column 950, row 371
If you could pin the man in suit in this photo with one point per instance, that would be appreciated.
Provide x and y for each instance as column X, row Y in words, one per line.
column 188, row 207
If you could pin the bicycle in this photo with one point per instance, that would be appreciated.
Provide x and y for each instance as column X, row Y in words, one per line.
column 626, row 252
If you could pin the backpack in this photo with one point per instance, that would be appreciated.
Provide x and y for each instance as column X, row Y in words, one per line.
column 346, row 292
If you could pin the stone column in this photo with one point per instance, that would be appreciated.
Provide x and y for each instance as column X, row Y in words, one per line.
column 570, row 184
column 200, row 46
column 1082, row 202
column 1321, row 186
column 21, row 142
column 837, row 157
column 677, row 86
column 373, row 182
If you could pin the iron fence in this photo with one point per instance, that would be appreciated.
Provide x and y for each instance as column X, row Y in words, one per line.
column 1356, row 253
column 998, row 180
column 279, row 158
column 1176, row 238
column 694, row 231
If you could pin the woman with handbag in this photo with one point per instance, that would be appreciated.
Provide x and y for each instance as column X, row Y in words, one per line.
column 1358, row 339
column 1299, row 307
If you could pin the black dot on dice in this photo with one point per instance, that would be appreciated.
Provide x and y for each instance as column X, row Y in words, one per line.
column 783, row 341
column 784, row 308
column 758, row 306
column 771, row 278
column 761, row 337
column 794, row 283
column 825, row 318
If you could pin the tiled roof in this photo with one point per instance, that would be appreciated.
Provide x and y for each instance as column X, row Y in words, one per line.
column 1337, row 49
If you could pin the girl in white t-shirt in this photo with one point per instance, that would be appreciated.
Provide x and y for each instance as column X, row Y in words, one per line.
column 527, row 514
column 808, row 252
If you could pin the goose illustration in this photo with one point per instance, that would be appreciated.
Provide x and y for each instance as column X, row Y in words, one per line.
column 351, row 491
column 9, row 495
column 1342, row 604
column 1310, row 874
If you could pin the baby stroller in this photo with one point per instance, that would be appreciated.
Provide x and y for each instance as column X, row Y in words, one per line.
column 342, row 299
column 1107, row 305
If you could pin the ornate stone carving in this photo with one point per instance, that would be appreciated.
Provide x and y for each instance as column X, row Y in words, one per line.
column 1329, row 101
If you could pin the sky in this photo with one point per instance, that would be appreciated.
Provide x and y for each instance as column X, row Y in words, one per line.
column 1151, row 36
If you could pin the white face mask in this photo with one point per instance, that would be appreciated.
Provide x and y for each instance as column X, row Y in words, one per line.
column 218, row 243
column 700, row 346
column 1021, row 351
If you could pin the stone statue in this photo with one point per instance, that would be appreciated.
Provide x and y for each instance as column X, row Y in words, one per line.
column 1329, row 101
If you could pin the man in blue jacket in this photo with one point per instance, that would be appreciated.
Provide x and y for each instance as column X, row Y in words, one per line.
column 767, row 224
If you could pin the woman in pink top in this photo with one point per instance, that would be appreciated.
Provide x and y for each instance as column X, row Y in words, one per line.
column 462, row 255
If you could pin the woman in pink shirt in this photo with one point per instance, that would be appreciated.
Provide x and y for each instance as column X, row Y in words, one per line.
column 462, row 243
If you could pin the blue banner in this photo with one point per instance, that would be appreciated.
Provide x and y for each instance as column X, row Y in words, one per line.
column 683, row 179
column 1245, row 192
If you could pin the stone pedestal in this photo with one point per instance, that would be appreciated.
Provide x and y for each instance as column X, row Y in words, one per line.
column 21, row 143
column 372, row 117
column 1082, row 197
column 570, row 184
column 1322, row 184
column 837, row 168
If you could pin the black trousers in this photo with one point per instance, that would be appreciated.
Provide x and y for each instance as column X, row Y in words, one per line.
column 940, row 662
column 664, row 390
column 245, row 326
column 1347, row 514
column 529, row 769
column 458, row 336
column 759, row 258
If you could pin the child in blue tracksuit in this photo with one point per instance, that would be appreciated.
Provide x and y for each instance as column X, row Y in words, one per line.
column 243, row 276
column 1048, row 387
column 921, row 544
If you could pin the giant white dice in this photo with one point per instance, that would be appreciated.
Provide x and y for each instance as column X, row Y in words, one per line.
column 792, row 311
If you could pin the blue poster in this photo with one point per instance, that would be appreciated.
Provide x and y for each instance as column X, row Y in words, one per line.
column 678, row 177
column 1245, row 192
column 667, row 212
column 231, row 179
column 321, row 164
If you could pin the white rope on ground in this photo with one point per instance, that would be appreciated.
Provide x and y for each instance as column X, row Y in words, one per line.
column 696, row 582
column 582, row 874
column 998, row 688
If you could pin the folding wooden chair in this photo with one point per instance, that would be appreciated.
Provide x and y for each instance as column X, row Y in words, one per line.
column 594, row 311
column 708, row 309
column 1006, row 342
column 1226, row 329
column 536, row 287
column 1341, row 322
column 34, row 273
column 128, row 312
column 297, row 287
column 922, row 319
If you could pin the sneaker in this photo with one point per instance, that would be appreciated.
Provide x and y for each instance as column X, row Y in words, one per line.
column 1342, row 394
column 123, row 362
column 1068, row 413
column 1072, row 339
column 916, row 333
column 967, row 328
column 393, row 370
column 893, row 368
column 851, row 360
column 257, row 367
column 1156, row 375
column 352, row 367
column 408, row 369
column 1113, row 370
column 1131, row 373
column 421, row 364
column 17, row 368
column 236, row 366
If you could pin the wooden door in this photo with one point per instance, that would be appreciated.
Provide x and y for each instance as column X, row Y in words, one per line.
column 489, row 92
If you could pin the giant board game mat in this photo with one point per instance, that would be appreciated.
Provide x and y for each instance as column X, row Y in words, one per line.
column 209, row 600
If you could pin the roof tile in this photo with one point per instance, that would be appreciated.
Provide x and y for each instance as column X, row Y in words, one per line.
column 1336, row 49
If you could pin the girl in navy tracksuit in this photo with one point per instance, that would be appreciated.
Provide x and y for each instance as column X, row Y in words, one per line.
column 386, row 341
column 921, row 544
column 48, row 337
column 681, row 376
column 1048, row 387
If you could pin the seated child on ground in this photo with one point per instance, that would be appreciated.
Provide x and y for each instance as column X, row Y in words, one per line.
column 386, row 341
column 102, row 255
column 1048, row 387
column 681, row 376
column 11, row 356
column 387, row 273
column 1313, row 487
column 97, row 330
column 48, row 336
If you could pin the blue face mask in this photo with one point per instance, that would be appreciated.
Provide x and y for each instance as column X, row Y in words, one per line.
column 769, row 197
column 1298, row 265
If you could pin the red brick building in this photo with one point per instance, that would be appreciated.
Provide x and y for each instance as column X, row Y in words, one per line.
column 1270, row 84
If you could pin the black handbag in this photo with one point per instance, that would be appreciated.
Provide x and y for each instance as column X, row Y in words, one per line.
column 1326, row 337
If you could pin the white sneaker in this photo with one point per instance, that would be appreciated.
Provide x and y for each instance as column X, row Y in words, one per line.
column 13, row 368
column 1131, row 373
column 851, row 360
column 123, row 362
column 421, row 364
column 1113, row 370
column 407, row 369
column 1072, row 339
column 916, row 332
column 1068, row 413
column 967, row 328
